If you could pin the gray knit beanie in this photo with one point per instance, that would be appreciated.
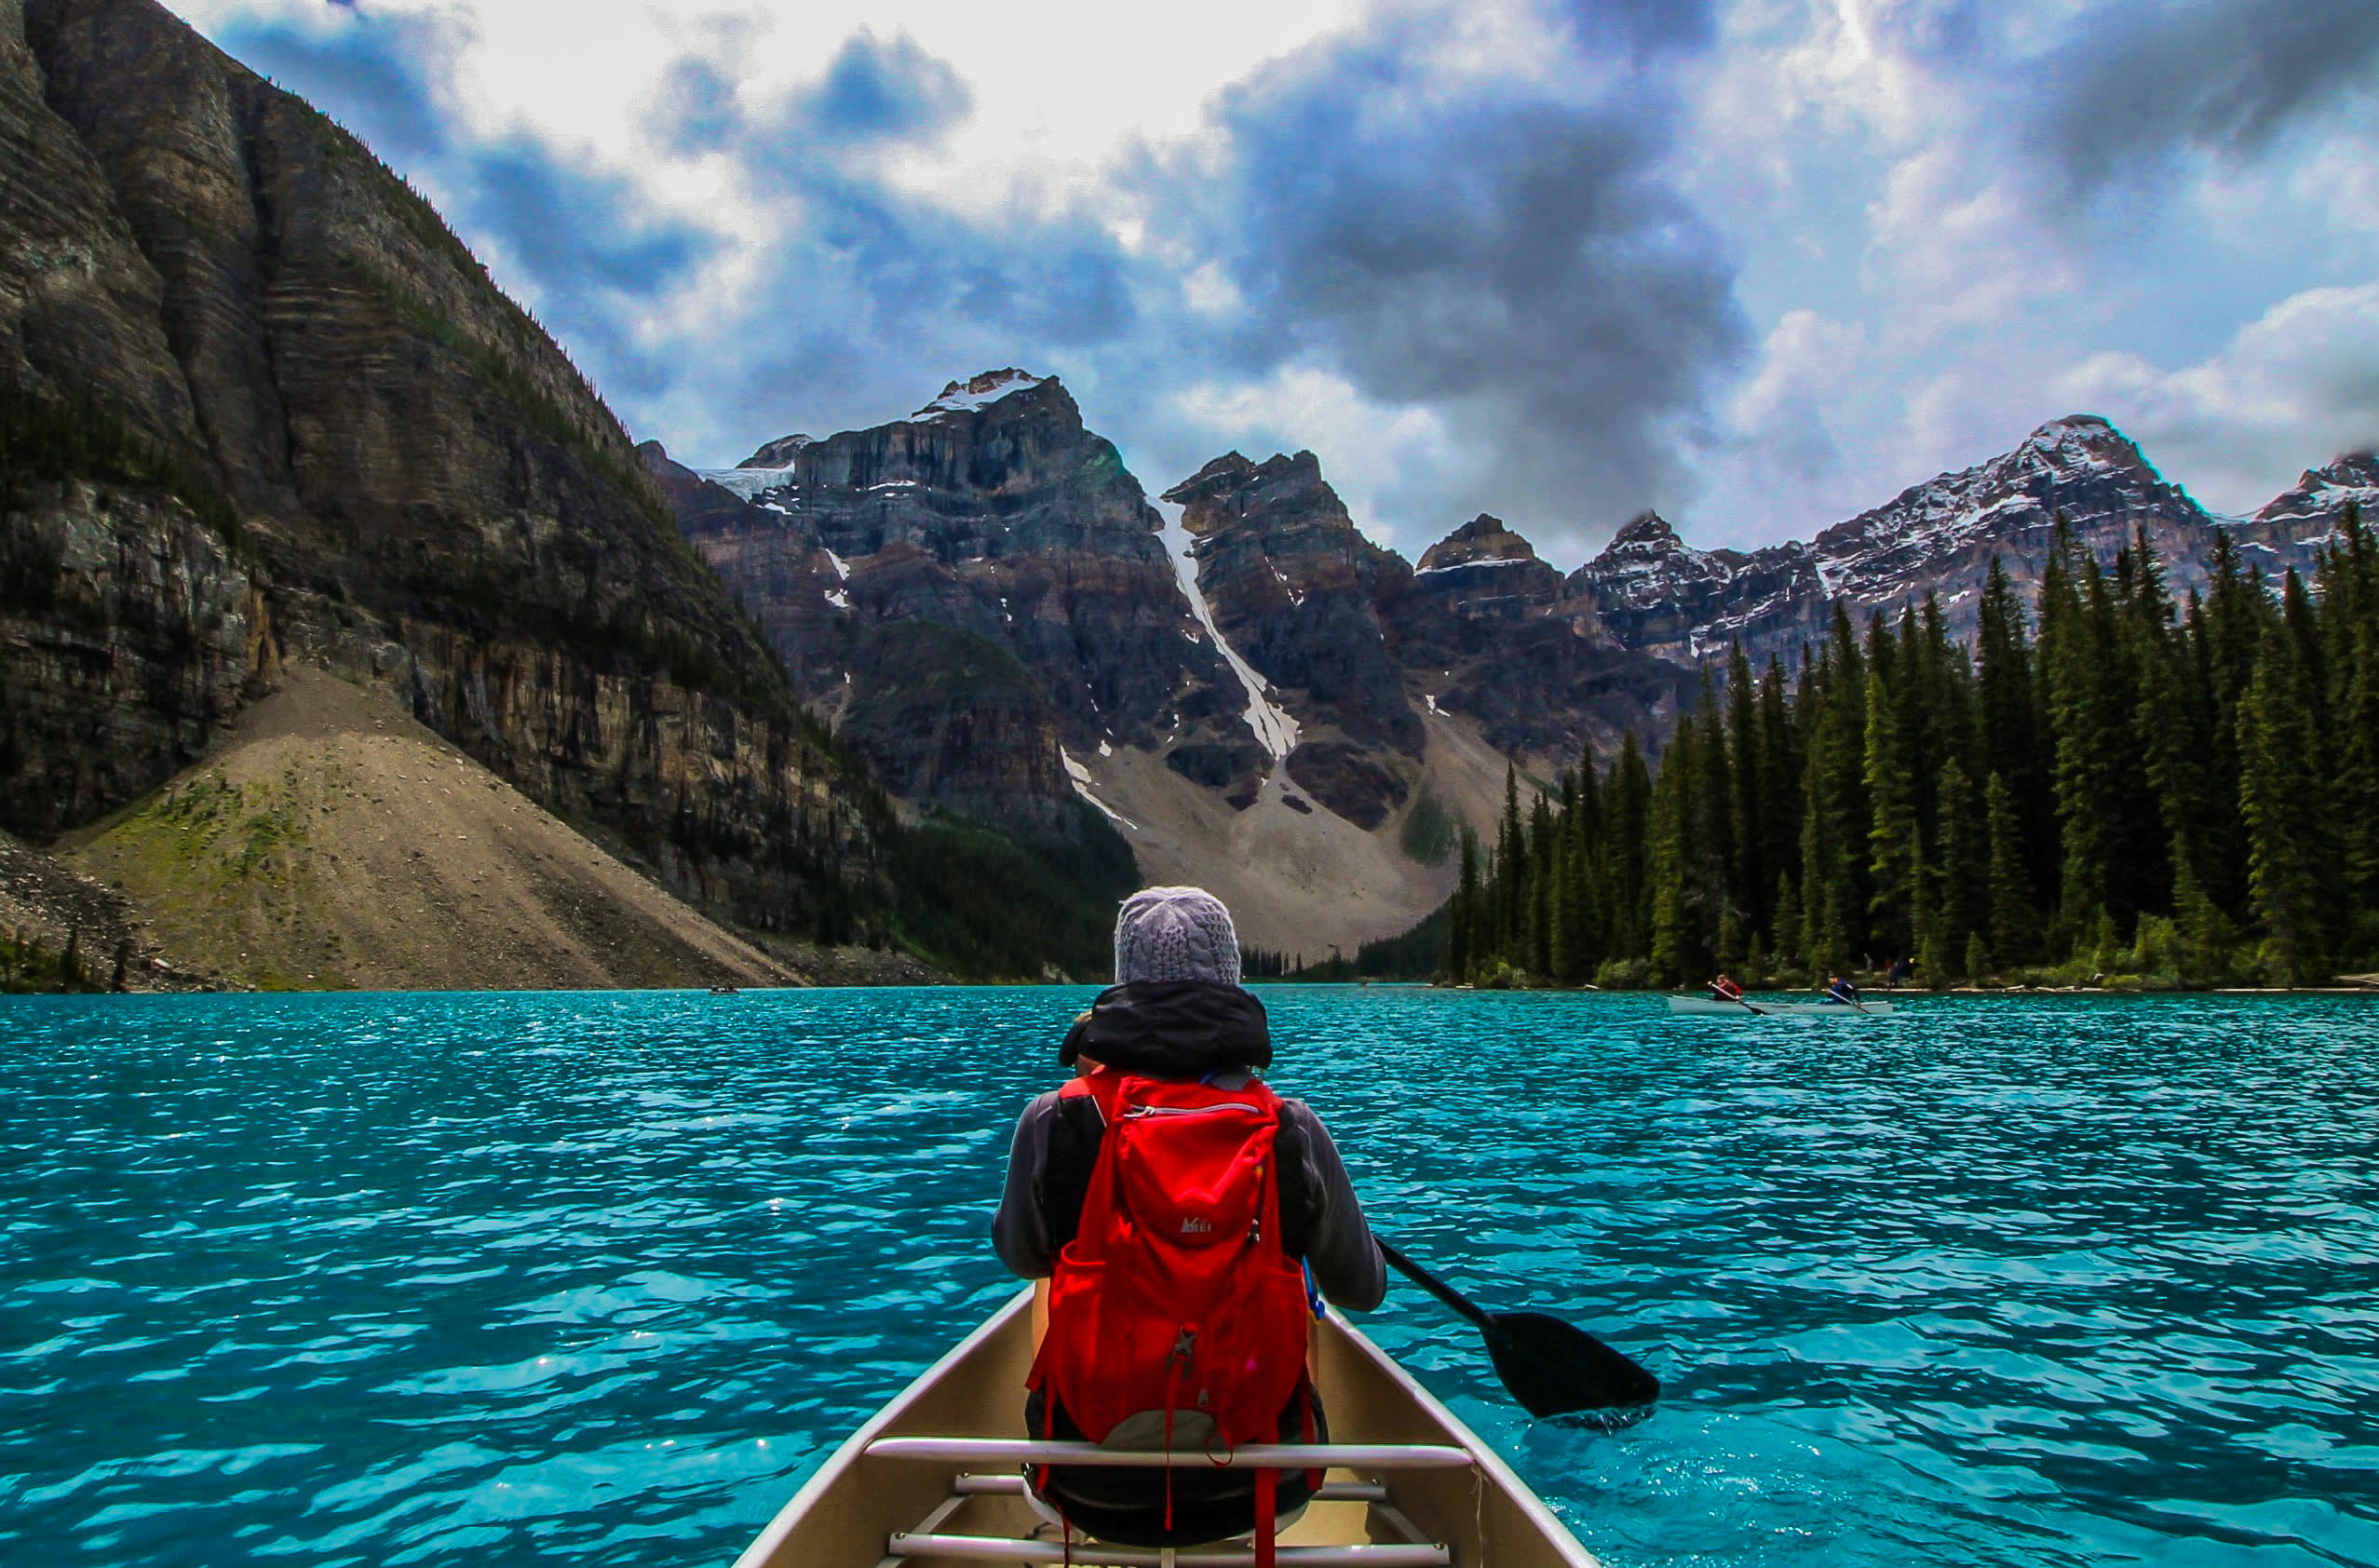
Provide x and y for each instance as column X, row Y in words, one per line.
column 1175, row 933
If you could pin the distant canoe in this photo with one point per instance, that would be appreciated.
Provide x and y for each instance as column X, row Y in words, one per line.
column 937, row 1478
column 1751, row 1005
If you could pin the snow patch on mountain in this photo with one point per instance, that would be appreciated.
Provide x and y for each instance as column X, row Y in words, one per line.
column 979, row 393
column 1082, row 782
column 749, row 484
column 1480, row 565
column 1273, row 726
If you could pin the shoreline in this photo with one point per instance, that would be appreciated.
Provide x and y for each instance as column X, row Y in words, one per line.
column 1880, row 994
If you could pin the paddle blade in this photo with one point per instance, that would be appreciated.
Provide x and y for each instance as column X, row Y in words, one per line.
column 1554, row 1368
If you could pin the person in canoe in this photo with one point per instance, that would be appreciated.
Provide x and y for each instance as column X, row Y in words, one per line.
column 1841, row 991
column 1725, row 990
column 1179, row 1218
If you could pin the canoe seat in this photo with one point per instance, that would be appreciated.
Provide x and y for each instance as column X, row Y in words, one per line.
column 1007, row 1458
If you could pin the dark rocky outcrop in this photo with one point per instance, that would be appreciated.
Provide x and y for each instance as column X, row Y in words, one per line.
column 1655, row 595
column 952, row 717
column 1352, row 780
column 261, row 404
column 778, row 569
column 1295, row 589
column 1488, row 630
column 1294, row 585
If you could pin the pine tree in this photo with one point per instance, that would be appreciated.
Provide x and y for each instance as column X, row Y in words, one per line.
column 1835, row 817
column 1675, row 943
column 1713, row 894
column 1959, row 901
column 1628, row 813
column 1747, row 875
column 2101, row 787
column 1893, row 848
column 1463, row 916
column 1510, row 885
column 1543, row 866
column 2281, row 798
column 2236, row 611
column 2350, row 628
column 1777, row 785
column 2010, row 701
column 2016, row 935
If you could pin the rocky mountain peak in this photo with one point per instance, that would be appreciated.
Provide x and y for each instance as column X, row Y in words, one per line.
column 1646, row 536
column 1484, row 538
column 2076, row 442
column 1234, row 488
column 2321, row 495
column 778, row 453
column 979, row 392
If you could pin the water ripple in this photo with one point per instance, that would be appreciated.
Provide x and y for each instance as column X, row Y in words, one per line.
column 597, row 1278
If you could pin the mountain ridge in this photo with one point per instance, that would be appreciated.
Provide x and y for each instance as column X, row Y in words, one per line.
column 1328, row 665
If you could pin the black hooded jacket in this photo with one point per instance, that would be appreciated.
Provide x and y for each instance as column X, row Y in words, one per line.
column 1182, row 1029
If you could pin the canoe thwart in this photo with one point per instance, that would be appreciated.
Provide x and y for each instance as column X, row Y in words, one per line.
column 1093, row 1554
column 1328, row 1492
column 1020, row 1451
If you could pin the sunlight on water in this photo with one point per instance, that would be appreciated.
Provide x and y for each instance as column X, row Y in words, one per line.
column 597, row 1278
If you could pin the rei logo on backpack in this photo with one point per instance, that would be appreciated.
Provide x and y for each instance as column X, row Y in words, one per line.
column 1173, row 1313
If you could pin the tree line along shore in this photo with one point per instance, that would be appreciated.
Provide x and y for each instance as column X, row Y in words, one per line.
column 2107, row 788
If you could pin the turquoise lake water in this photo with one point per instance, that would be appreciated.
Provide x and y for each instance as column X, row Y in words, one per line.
column 598, row 1278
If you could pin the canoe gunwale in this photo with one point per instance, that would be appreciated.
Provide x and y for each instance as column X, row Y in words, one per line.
column 1493, row 1471
column 824, row 1478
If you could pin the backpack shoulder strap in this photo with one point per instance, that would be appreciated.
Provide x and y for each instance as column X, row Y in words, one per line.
column 1076, row 1134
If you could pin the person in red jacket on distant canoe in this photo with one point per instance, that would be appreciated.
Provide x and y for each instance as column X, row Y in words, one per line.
column 1726, row 990
column 1167, row 1101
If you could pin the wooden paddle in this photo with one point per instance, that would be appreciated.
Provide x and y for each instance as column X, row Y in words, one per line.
column 1552, row 1368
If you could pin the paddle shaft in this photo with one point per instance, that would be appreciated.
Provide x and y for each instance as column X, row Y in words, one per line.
column 1432, row 1284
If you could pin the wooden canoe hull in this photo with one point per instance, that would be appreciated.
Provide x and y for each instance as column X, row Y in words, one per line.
column 844, row 1516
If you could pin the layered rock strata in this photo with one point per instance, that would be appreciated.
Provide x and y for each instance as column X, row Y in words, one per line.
column 291, row 416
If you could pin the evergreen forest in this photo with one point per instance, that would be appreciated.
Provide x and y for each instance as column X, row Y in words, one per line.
column 2105, row 787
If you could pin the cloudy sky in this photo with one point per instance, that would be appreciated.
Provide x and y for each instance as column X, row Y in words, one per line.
column 1758, row 263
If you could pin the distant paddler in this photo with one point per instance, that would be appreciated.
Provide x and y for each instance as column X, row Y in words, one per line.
column 1723, row 988
column 1841, row 993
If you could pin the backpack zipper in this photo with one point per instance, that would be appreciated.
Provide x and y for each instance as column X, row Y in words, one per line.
column 1130, row 1110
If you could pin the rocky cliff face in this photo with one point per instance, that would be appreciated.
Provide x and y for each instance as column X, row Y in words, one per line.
column 260, row 403
column 1296, row 589
column 994, row 517
column 1656, row 596
column 1488, row 630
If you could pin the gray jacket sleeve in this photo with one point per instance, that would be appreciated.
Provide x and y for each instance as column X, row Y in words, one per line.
column 1018, row 1231
column 1346, row 1262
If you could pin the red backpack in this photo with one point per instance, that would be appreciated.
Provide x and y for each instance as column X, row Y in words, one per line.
column 1174, row 1295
